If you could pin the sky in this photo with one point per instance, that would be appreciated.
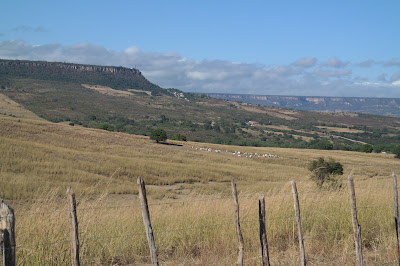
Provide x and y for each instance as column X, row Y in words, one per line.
column 300, row 48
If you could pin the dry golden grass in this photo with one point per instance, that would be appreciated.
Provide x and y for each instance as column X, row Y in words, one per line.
column 147, row 92
column 107, row 90
column 340, row 129
column 279, row 114
column 190, row 199
column 9, row 107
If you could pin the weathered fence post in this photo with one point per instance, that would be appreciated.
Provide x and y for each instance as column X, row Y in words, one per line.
column 263, row 231
column 8, row 234
column 298, row 221
column 237, row 225
column 396, row 214
column 356, row 226
column 146, row 221
column 73, row 225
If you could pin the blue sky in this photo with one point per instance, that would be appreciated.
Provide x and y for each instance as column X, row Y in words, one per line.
column 318, row 48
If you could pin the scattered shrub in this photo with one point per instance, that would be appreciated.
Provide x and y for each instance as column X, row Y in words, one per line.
column 158, row 135
column 179, row 137
column 325, row 171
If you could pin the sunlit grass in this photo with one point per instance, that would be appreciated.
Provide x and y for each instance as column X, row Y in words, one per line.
column 189, row 196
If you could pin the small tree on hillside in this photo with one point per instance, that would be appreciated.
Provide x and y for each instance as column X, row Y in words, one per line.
column 158, row 135
column 396, row 151
column 325, row 171
column 179, row 137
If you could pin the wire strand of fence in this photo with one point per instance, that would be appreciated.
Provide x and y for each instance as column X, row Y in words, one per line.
column 111, row 237
column 64, row 241
column 37, row 213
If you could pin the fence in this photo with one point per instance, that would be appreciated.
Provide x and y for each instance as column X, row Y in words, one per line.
column 9, row 247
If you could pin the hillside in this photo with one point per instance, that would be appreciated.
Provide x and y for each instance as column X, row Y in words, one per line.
column 377, row 106
column 189, row 199
column 122, row 100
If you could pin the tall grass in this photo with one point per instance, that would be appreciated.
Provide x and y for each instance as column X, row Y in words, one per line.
column 189, row 196
column 199, row 229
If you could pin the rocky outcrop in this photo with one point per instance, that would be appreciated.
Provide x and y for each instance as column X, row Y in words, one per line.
column 78, row 67
column 120, row 78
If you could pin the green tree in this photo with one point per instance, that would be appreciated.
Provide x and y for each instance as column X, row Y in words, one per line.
column 179, row 137
column 158, row 135
column 323, row 171
column 396, row 151
column 324, row 144
column 367, row 148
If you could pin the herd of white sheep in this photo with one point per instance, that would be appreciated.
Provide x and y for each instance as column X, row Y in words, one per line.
column 240, row 154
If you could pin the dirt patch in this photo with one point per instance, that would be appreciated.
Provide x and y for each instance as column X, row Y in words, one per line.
column 107, row 90
column 147, row 92
column 340, row 129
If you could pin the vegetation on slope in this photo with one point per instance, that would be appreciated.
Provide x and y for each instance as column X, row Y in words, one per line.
column 39, row 160
column 73, row 94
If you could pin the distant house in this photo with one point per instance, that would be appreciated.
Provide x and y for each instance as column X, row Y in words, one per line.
column 252, row 123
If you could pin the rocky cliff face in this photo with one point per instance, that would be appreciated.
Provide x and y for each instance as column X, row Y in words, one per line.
column 78, row 67
column 116, row 77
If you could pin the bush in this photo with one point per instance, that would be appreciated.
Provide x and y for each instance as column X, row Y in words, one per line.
column 324, row 144
column 325, row 171
column 158, row 135
column 179, row 137
column 367, row 148
column 105, row 126
column 396, row 151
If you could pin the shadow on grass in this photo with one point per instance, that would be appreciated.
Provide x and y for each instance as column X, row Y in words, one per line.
column 172, row 144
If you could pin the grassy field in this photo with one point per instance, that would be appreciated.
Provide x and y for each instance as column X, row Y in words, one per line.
column 190, row 199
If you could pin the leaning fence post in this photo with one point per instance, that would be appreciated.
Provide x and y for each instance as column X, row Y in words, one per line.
column 237, row 225
column 356, row 226
column 146, row 221
column 263, row 232
column 73, row 225
column 8, row 234
column 396, row 214
column 298, row 221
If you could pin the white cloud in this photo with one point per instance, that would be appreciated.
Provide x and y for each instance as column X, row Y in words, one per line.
column 392, row 62
column 132, row 50
column 171, row 70
column 305, row 62
column 367, row 63
column 332, row 73
column 336, row 62
column 395, row 77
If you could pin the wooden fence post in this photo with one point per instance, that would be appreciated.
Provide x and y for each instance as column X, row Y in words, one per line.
column 146, row 221
column 396, row 214
column 8, row 234
column 263, row 231
column 298, row 221
column 356, row 226
column 73, row 225
column 237, row 225
column 2, row 247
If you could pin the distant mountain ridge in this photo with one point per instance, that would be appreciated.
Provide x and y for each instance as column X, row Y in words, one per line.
column 117, row 77
column 379, row 106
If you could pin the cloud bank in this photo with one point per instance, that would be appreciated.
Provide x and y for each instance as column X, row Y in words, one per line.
column 303, row 77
